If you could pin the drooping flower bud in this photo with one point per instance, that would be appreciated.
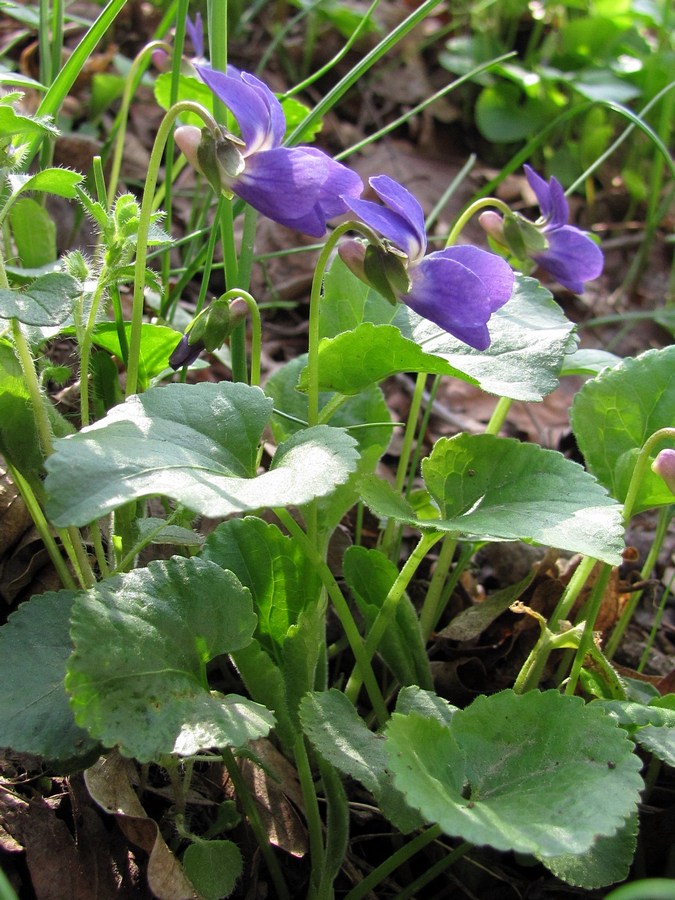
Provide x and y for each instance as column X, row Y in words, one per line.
column 353, row 253
column 215, row 155
column 493, row 225
column 664, row 465
column 208, row 331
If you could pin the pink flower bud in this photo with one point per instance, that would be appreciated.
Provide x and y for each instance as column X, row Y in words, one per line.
column 664, row 465
column 161, row 60
column 188, row 139
column 353, row 253
column 493, row 225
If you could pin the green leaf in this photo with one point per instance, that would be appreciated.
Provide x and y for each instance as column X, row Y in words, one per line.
column 367, row 410
column 22, row 128
column 213, row 867
column 347, row 302
column 356, row 359
column 369, row 575
column 413, row 700
column 157, row 344
column 607, row 862
column 34, row 233
column 530, row 338
column 295, row 113
column 48, row 300
column 333, row 726
column 35, row 715
column 197, row 444
column 588, row 361
column 142, row 640
column 613, row 415
column 538, row 773
column 365, row 416
column 270, row 564
column 189, row 88
column 496, row 489
column 61, row 182
column 659, row 741
column 471, row 622
column 504, row 114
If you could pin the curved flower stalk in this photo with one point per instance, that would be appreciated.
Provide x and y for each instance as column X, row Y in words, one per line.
column 563, row 250
column 457, row 288
column 299, row 187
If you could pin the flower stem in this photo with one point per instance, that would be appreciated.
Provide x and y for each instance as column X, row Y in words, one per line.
column 388, row 609
column 499, row 415
column 572, row 591
column 144, row 220
column 591, row 614
column 471, row 211
column 665, row 515
column 130, row 86
column 641, row 467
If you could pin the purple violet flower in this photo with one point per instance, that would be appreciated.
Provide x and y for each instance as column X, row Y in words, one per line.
column 457, row 288
column 299, row 187
column 571, row 256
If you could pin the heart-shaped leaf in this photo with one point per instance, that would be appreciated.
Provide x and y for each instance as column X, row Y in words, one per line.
column 614, row 414
column 198, row 445
column 494, row 488
column 332, row 724
column 530, row 337
column 48, row 300
column 540, row 773
column 137, row 677
column 355, row 359
column 35, row 716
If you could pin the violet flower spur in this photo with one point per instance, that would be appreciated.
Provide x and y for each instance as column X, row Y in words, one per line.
column 457, row 288
column 299, row 187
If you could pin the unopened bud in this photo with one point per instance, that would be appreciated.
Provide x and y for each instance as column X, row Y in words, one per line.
column 161, row 59
column 664, row 466
column 493, row 225
column 352, row 253
column 188, row 138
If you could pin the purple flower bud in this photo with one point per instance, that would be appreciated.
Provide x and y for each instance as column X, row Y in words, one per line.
column 664, row 465
column 184, row 353
column 457, row 288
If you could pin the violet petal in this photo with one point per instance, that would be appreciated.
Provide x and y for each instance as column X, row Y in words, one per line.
column 572, row 258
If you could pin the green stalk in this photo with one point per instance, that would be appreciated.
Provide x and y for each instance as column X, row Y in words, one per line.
column 412, row 890
column 591, row 614
column 251, row 813
column 42, row 423
column 432, row 607
column 312, row 815
column 42, row 526
column 499, row 414
column 143, row 226
column 130, row 86
column 640, row 469
column 388, row 609
column 572, row 591
column 665, row 515
column 398, row 858
column 391, row 529
column 343, row 612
